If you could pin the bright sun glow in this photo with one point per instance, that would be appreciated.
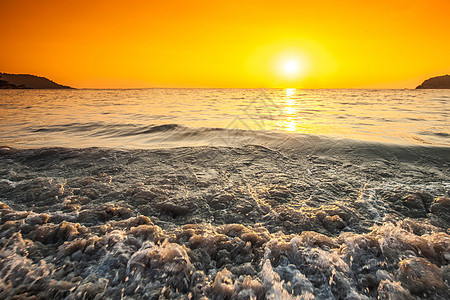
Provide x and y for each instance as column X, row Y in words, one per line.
column 290, row 67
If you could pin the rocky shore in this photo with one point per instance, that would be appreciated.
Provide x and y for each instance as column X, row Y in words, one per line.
column 224, row 223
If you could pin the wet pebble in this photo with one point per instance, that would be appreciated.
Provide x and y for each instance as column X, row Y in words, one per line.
column 441, row 208
column 333, row 223
column 420, row 276
column 413, row 201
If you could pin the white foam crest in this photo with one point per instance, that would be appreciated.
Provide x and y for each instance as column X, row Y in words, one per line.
column 16, row 268
column 277, row 289
column 368, row 200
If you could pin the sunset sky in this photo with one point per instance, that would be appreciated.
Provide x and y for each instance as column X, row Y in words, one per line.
column 304, row 44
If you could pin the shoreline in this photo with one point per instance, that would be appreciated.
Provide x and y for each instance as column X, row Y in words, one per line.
column 224, row 222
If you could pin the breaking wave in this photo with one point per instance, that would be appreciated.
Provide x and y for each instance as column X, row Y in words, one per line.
column 248, row 222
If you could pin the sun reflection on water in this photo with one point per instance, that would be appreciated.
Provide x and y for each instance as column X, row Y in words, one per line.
column 290, row 92
column 290, row 123
column 290, row 110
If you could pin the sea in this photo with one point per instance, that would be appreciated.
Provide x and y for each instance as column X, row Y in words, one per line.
column 154, row 118
column 224, row 194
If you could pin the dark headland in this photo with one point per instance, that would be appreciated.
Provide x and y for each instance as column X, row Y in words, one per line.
column 26, row 81
column 439, row 82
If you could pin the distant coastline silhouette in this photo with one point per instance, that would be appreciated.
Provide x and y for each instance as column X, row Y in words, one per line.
column 439, row 82
column 26, row 81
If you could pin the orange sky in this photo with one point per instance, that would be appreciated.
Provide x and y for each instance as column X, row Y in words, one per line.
column 337, row 44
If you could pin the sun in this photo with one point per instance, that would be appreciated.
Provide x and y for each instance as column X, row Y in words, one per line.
column 290, row 67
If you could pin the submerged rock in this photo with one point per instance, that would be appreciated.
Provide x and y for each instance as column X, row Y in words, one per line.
column 441, row 208
column 334, row 223
column 415, row 205
column 388, row 290
column 420, row 276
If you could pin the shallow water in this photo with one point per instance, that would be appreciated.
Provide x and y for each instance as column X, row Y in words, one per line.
column 352, row 221
column 175, row 202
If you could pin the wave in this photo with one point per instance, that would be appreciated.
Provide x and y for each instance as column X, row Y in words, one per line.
column 106, row 129
column 132, row 136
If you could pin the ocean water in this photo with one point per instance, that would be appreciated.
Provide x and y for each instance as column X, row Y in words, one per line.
column 153, row 118
column 224, row 194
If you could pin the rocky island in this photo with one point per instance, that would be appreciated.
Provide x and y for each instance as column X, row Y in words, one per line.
column 26, row 81
column 439, row 82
